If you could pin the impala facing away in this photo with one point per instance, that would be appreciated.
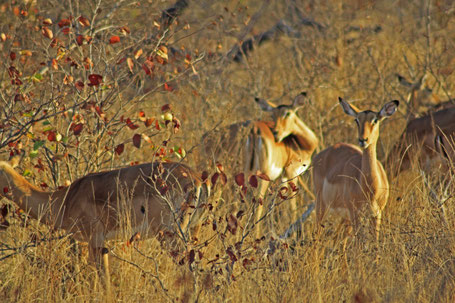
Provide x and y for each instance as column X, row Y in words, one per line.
column 95, row 207
column 280, row 148
column 350, row 180
column 417, row 143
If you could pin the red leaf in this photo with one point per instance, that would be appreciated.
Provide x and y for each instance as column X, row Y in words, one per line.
column 282, row 192
column 99, row 111
column 125, row 30
column 47, row 21
column 95, row 79
column 148, row 121
column 80, row 39
column 163, row 189
column 137, row 140
column 246, row 263
column 47, row 32
column 191, row 256
column 54, row 64
column 220, row 166
column 232, row 224
column 240, row 179
column 12, row 56
column 165, row 108
column 130, row 124
column 168, row 88
column 18, row 97
column 64, row 22
column 119, row 149
column 54, row 42
column 253, row 180
column 293, row 186
column 114, row 39
column 51, row 136
column 130, row 64
column 214, row 178
column 83, row 21
column 260, row 201
column 77, row 128
column 148, row 66
column 5, row 190
column 263, row 176
column 176, row 123
column 231, row 254
column 79, row 85
column 240, row 214
column 66, row 30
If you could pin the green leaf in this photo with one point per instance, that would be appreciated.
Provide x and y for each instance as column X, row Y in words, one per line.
column 37, row 77
column 33, row 154
column 38, row 144
column 179, row 151
column 26, row 173
column 28, row 114
column 47, row 122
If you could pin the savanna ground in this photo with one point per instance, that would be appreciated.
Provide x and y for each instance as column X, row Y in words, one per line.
column 88, row 86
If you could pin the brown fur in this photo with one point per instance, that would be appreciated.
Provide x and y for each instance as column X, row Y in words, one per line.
column 417, row 141
column 349, row 180
column 92, row 206
column 279, row 148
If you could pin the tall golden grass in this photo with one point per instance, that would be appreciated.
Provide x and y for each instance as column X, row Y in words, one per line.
column 357, row 55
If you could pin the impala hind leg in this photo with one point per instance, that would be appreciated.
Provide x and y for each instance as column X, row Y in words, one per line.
column 321, row 211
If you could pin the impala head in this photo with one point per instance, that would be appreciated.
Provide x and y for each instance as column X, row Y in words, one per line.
column 418, row 94
column 368, row 121
column 285, row 116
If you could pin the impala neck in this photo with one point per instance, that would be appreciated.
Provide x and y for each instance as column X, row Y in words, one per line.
column 17, row 189
column 305, row 136
column 370, row 169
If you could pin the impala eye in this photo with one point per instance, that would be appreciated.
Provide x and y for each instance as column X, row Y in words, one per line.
column 375, row 120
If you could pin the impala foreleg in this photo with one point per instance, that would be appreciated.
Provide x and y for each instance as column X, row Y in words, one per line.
column 99, row 255
column 377, row 224
column 263, row 186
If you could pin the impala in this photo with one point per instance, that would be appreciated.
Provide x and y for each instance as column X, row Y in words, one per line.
column 446, row 147
column 280, row 148
column 94, row 207
column 417, row 142
column 350, row 180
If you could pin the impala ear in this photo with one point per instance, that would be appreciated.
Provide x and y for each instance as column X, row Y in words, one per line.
column 348, row 108
column 299, row 100
column 389, row 109
column 265, row 105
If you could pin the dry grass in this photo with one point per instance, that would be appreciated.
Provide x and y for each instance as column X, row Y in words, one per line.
column 414, row 259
